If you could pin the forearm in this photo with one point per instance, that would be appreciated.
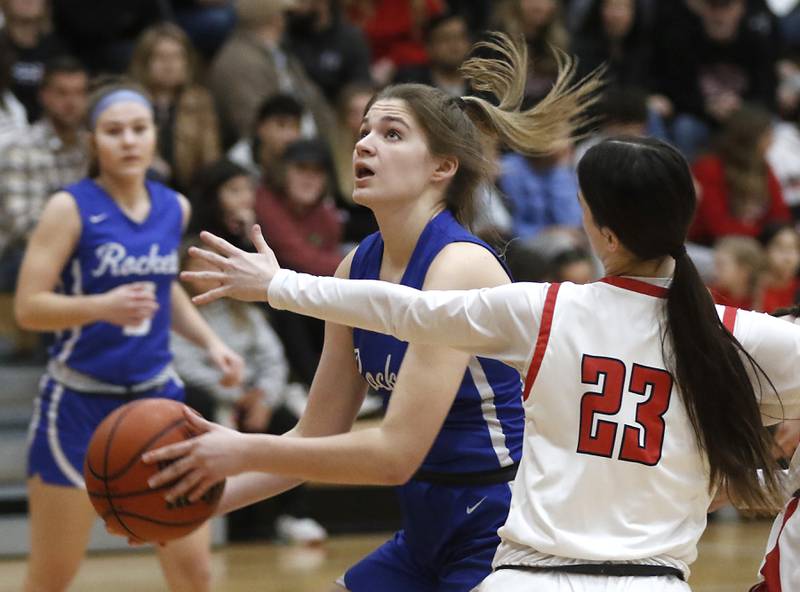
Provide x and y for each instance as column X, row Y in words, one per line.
column 492, row 321
column 368, row 456
column 48, row 311
column 249, row 488
column 187, row 321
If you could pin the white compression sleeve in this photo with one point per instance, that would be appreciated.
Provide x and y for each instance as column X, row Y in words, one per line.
column 499, row 322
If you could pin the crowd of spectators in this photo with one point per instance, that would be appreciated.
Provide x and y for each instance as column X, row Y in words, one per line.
column 259, row 104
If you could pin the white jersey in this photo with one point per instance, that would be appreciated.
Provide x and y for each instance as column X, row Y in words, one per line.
column 611, row 469
column 780, row 568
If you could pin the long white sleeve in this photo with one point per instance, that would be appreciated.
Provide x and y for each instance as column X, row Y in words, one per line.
column 775, row 346
column 499, row 322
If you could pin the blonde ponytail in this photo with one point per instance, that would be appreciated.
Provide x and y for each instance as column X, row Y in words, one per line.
column 453, row 127
column 542, row 128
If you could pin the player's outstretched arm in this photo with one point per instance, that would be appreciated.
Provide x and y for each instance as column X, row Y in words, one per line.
column 387, row 454
column 334, row 399
column 496, row 322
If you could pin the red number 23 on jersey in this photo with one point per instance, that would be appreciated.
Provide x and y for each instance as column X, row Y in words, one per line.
column 641, row 443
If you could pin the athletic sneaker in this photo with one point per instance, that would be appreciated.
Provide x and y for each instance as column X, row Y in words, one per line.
column 301, row 531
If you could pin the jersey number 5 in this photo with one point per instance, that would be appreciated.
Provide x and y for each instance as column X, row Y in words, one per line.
column 641, row 443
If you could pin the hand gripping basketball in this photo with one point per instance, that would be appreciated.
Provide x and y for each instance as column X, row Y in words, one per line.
column 117, row 479
column 190, row 469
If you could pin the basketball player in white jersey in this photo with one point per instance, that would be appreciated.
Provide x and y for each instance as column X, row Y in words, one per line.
column 780, row 568
column 641, row 397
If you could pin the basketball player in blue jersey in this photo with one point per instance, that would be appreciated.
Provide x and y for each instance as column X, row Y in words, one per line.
column 453, row 427
column 100, row 272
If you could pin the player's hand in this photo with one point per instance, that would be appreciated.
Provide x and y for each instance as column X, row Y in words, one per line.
column 228, row 361
column 199, row 462
column 242, row 275
column 129, row 304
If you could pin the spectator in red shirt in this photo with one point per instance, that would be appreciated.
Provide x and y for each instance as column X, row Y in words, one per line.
column 305, row 230
column 781, row 285
column 394, row 32
column 739, row 193
column 297, row 213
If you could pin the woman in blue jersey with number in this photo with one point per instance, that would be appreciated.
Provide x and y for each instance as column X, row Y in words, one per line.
column 451, row 438
column 100, row 272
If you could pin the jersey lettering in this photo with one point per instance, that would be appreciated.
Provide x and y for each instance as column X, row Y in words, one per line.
column 641, row 443
column 380, row 380
column 113, row 258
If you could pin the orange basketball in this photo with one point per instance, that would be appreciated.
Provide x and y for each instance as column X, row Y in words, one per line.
column 116, row 478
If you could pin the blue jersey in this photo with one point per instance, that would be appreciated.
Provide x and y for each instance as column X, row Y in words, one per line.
column 483, row 429
column 114, row 250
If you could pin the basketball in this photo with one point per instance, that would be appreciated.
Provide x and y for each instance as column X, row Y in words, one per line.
column 116, row 478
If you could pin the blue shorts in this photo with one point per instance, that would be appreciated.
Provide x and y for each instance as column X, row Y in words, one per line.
column 447, row 543
column 63, row 423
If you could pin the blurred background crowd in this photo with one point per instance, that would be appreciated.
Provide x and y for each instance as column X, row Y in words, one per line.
column 259, row 104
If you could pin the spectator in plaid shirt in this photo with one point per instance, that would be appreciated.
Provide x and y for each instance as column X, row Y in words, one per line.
column 53, row 154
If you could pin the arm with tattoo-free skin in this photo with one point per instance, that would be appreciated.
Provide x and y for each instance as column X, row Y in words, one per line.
column 388, row 454
column 493, row 321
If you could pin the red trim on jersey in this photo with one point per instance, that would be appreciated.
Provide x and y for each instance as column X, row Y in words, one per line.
column 636, row 286
column 771, row 572
column 542, row 339
column 729, row 318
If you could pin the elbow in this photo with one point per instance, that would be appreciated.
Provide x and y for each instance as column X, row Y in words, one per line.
column 394, row 477
column 399, row 470
column 24, row 316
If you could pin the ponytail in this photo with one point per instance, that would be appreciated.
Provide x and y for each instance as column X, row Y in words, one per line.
column 542, row 128
column 642, row 190
column 708, row 364
column 457, row 127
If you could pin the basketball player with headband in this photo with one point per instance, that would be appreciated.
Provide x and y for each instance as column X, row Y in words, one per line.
column 100, row 272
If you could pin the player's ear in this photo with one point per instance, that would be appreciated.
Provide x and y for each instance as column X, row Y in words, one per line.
column 446, row 168
column 612, row 241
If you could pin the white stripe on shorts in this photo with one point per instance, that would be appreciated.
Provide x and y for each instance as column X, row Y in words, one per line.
column 55, row 446
column 34, row 425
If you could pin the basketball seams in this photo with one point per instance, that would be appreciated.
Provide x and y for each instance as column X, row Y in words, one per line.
column 125, row 494
column 136, row 455
column 106, row 454
column 123, row 412
column 144, row 518
column 138, row 492
column 139, row 510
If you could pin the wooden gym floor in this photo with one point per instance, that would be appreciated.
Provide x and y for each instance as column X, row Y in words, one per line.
column 730, row 553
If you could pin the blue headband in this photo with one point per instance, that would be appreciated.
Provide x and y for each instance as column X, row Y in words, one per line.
column 123, row 95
